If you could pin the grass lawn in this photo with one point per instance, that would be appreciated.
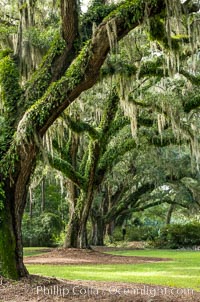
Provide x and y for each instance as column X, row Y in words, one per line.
column 182, row 271
column 34, row 251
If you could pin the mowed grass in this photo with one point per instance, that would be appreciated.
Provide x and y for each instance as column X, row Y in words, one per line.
column 34, row 251
column 183, row 270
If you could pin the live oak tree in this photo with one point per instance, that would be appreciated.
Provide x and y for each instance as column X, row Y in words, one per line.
column 149, row 177
column 170, row 174
column 171, row 100
column 166, row 115
column 29, row 110
column 85, row 177
column 158, row 183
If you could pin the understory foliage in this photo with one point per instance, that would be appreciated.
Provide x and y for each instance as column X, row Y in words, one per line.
column 46, row 210
column 178, row 236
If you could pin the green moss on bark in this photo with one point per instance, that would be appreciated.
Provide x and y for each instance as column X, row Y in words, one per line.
column 10, row 88
column 7, row 246
column 42, row 77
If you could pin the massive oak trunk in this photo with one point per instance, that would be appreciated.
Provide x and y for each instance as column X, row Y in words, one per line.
column 15, row 189
column 11, row 253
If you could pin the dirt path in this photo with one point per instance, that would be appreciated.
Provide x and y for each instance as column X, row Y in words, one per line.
column 37, row 288
column 76, row 256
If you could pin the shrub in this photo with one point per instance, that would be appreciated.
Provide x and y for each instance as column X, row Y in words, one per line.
column 136, row 233
column 42, row 230
column 178, row 236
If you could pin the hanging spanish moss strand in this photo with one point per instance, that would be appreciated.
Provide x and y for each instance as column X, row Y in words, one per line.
column 112, row 34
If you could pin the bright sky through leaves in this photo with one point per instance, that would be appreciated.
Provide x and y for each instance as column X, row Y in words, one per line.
column 84, row 4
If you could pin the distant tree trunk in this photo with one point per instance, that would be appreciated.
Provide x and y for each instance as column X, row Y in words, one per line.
column 86, row 198
column 82, row 234
column 77, row 226
column 76, row 236
column 110, row 229
column 29, row 56
column 98, row 230
column 111, row 224
column 71, row 239
column 30, row 203
column 43, row 195
column 169, row 213
column 97, row 218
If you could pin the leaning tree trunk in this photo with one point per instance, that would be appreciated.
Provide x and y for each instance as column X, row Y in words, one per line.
column 71, row 239
column 169, row 213
column 13, row 194
column 86, row 198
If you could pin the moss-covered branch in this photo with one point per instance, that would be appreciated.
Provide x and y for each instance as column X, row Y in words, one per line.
column 109, row 112
column 153, row 204
column 59, row 56
column 63, row 151
column 117, row 125
column 68, row 170
column 92, row 162
column 84, row 162
column 10, row 92
column 112, row 156
column 80, row 127
column 167, row 138
column 194, row 79
column 83, row 72
column 10, row 89
column 153, row 67
column 191, row 100
column 41, row 79
column 123, row 204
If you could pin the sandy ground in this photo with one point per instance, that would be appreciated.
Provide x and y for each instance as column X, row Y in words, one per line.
column 76, row 256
